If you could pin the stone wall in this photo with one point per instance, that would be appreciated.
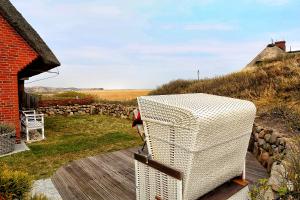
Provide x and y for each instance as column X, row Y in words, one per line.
column 116, row 110
column 267, row 145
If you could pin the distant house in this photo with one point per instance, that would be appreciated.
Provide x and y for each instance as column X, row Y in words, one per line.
column 272, row 51
column 23, row 54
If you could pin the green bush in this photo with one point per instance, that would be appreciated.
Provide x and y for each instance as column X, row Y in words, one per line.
column 14, row 184
column 71, row 94
column 258, row 190
column 4, row 128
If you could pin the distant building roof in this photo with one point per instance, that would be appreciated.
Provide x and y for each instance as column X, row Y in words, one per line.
column 270, row 52
column 17, row 21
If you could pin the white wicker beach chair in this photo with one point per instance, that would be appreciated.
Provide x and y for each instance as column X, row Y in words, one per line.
column 203, row 136
column 30, row 120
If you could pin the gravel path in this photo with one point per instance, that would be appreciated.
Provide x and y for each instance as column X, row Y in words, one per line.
column 46, row 187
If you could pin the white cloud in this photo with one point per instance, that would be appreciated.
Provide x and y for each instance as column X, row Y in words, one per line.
column 54, row 9
column 215, row 48
column 121, row 44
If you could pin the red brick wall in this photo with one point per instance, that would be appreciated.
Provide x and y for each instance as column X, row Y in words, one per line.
column 15, row 54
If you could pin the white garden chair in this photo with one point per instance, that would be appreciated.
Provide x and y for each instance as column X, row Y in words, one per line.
column 203, row 137
column 30, row 120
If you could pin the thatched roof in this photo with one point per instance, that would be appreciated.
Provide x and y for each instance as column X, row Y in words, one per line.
column 270, row 52
column 47, row 59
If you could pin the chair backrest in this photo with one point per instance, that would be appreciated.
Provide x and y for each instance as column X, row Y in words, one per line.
column 204, row 136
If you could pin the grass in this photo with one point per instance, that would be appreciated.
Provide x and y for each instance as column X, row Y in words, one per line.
column 63, row 95
column 272, row 85
column 124, row 97
column 71, row 138
column 70, row 94
column 116, row 95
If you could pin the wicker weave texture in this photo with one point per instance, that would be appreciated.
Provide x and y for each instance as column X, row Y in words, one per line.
column 204, row 136
column 7, row 142
column 153, row 184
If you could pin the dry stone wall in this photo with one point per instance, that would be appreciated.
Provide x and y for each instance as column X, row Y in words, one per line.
column 267, row 145
column 116, row 110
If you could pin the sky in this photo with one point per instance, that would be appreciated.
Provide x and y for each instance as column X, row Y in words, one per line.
column 141, row 44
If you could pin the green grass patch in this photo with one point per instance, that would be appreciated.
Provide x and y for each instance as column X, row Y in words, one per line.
column 71, row 138
column 71, row 94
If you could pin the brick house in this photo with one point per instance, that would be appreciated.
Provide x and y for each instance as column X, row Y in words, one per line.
column 23, row 54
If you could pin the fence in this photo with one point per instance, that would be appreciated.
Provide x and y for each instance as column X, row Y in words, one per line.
column 30, row 101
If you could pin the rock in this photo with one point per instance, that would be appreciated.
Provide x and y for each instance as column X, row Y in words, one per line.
column 267, row 137
column 264, row 132
column 264, row 156
column 276, row 178
column 275, row 151
column 256, row 136
column 259, row 129
column 270, row 164
column 261, row 142
column 116, row 110
column 81, row 112
column 274, row 137
column 280, row 141
column 71, row 113
column 269, row 194
column 267, row 147
column 281, row 148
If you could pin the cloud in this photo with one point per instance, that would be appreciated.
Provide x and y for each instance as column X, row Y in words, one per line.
column 62, row 8
column 214, row 48
column 142, row 44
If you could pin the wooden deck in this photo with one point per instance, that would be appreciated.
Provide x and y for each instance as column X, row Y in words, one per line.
column 111, row 176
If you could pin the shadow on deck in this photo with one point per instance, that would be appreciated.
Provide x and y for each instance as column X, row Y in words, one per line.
column 111, row 176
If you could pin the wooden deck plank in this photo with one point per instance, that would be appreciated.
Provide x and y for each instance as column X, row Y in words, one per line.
column 111, row 176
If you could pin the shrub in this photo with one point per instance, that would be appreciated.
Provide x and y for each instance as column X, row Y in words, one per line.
column 4, row 128
column 174, row 87
column 67, row 99
column 259, row 190
column 290, row 116
column 71, row 95
column 14, row 184
column 65, row 102
column 291, row 183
